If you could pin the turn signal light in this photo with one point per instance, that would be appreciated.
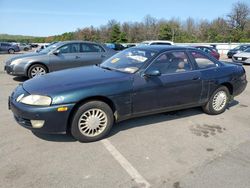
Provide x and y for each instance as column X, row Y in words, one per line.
column 62, row 109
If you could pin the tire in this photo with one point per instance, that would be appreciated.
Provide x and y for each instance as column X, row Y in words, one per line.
column 11, row 51
column 217, row 103
column 37, row 70
column 92, row 121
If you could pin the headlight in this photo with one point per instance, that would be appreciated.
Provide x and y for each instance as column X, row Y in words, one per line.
column 37, row 100
column 15, row 62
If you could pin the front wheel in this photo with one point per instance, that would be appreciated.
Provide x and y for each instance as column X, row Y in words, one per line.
column 92, row 121
column 11, row 51
column 217, row 103
column 37, row 70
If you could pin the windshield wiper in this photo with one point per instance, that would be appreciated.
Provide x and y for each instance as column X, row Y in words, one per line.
column 107, row 68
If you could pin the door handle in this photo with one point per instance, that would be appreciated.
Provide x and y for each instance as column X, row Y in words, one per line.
column 77, row 57
column 196, row 78
column 102, row 56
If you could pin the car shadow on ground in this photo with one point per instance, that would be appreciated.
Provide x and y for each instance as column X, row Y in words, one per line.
column 135, row 122
column 152, row 119
column 55, row 137
column 20, row 78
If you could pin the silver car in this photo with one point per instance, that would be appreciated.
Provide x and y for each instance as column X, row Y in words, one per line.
column 61, row 55
column 242, row 57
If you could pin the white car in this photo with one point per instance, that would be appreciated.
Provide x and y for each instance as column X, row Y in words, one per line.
column 157, row 42
column 242, row 57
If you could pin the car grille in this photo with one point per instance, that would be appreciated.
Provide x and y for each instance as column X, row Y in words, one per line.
column 23, row 122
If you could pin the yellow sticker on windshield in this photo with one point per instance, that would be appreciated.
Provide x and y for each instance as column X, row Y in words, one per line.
column 115, row 60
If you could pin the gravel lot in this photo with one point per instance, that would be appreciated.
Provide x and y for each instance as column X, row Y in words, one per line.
column 181, row 149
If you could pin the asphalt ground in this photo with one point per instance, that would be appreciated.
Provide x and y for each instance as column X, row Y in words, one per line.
column 180, row 149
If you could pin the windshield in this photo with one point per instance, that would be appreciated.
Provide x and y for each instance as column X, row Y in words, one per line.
column 50, row 47
column 247, row 50
column 240, row 48
column 129, row 60
column 237, row 48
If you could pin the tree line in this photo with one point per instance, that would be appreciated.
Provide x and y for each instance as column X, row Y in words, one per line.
column 235, row 27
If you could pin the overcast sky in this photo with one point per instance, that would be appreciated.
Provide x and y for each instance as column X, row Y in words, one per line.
column 51, row 17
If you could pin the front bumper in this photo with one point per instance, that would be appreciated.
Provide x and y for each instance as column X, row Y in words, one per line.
column 15, row 70
column 239, row 87
column 242, row 60
column 54, row 121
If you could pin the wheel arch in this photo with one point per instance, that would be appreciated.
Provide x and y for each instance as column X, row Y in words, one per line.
column 229, row 87
column 106, row 100
column 36, row 63
column 11, row 49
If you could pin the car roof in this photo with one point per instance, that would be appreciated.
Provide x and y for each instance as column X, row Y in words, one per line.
column 157, row 41
column 78, row 41
column 200, row 46
column 162, row 48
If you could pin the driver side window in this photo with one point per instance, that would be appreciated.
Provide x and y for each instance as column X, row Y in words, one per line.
column 69, row 48
column 171, row 62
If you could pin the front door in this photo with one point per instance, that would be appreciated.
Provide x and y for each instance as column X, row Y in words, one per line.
column 179, row 85
column 67, row 56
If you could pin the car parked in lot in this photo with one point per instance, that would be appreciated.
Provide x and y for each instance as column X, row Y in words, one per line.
column 242, row 57
column 135, row 82
column 237, row 49
column 115, row 46
column 61, row 55
column 157, row 42
column 210, row 50
column 9, row 48
column 43, row 46
column 24, row 46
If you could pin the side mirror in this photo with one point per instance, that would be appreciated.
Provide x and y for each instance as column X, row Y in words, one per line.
column 56, row 52
column 152, row 73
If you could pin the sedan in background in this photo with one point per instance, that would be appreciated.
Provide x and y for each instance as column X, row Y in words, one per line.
column 115, row 46
column 210, row 50
column 61, row 55
column 242, row 57
column 157, row 42
column 236, row 50
column 24, row 46
column 9, row 48
column 136, row 82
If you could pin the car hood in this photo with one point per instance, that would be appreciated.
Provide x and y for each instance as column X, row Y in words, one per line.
column 25, row 56
column 242, row 54
column 72, row 79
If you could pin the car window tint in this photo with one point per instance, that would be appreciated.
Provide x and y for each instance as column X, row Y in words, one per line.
column 207, row 50
column 160, row 43
column 85, row 47
column 171, row 62
column 247, row 50
column 70, row 48
column 202, row 61
column 5, row 44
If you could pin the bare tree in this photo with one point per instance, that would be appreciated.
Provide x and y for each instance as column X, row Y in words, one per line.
column 239, row 15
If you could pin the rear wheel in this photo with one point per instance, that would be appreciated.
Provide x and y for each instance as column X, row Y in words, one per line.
column 218, row 101
column 11, row 51
column 92, row 121
column 37, row 70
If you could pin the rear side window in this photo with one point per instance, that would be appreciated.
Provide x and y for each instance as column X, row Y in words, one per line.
column 85, row 47
column 202, row 61
column 5, row 44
